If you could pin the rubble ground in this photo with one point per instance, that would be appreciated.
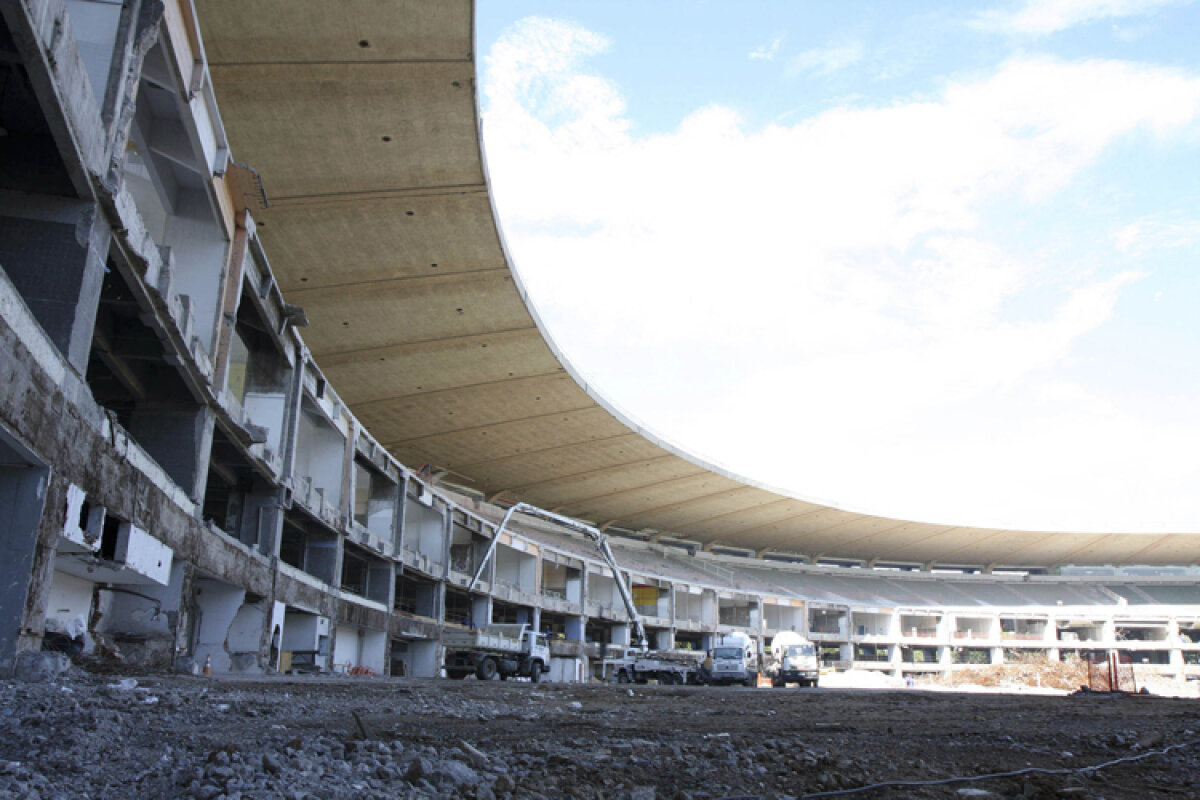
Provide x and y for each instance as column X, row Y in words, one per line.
column 96, row 736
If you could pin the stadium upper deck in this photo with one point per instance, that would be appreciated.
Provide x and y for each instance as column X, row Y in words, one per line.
column 364, row 128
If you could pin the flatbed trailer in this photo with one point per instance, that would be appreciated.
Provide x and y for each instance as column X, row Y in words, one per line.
column 664, row 666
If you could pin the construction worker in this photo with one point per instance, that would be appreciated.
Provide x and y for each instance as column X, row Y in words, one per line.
column 706, row 668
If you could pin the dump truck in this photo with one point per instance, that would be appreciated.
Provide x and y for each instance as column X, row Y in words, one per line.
column 793, row 660
column 665, row 666
column 496, row 650
column 734, row 660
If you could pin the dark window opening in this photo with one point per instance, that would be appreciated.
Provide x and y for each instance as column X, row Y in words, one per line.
column 871, row 652
column 128, row 366
column 108, row 538
column 458, row 608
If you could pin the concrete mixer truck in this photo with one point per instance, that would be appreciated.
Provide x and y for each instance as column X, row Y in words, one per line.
column 793, row 660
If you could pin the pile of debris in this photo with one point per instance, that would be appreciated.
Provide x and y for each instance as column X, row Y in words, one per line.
column 1039, row 674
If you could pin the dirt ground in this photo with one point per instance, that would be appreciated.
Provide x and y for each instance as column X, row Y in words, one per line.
column 93, row 736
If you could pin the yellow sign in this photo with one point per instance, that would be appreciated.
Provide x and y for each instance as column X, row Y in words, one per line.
column 645, row 595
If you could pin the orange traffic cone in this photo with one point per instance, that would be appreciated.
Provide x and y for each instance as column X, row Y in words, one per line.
column 208, row 665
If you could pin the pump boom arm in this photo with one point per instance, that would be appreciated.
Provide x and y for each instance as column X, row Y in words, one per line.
column 597, row 537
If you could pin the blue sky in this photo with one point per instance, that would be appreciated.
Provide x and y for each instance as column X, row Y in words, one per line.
column 934, row 261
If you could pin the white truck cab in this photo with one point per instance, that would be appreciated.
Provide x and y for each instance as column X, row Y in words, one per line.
column 793, row 660
column 734, row 660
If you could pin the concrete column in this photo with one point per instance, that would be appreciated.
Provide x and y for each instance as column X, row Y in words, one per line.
column 381, row 582
column 481, row 611
column 262, row 522
column 231, row 299
column 54, row 251
column 530, row 617
column 619, row 634
column 27, row 568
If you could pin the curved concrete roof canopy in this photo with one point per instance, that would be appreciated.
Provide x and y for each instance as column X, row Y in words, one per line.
column 363, row 123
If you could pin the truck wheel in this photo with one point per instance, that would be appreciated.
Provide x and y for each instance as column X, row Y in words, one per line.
column 535, row 672
column 486, row 669
column 777, row 683
column 622, row 677
column 751, row 681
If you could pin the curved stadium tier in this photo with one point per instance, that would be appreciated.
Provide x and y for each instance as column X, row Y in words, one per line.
column 270, row 383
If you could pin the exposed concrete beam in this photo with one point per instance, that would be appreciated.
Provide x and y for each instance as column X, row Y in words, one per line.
column 116, row 362
column 369, row 195
column 358, row 287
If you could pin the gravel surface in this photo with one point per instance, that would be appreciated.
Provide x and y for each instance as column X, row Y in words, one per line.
column 92, row 736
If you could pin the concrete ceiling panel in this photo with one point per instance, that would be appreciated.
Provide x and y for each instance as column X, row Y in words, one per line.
column 390, row 373
column 283, row 31
column 545, row 466
column 320, row 244
column 316, row 130
column 510, row 438
column 582, row 491
column 369, row 316
column 445, row 412
column 642, row 502
column 730, row 524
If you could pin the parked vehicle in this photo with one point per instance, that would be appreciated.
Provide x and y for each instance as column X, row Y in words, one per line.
column 793, row 659
column 734, row 660
column 665, row 666
column 496, row 650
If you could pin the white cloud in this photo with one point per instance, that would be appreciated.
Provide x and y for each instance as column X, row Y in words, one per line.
column 1040, row 17
column 840, row 276
column 1148, row 234
column 768, row 51
column 826, row 60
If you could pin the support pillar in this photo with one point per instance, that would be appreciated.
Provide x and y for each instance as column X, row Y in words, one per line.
column 54, row 251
